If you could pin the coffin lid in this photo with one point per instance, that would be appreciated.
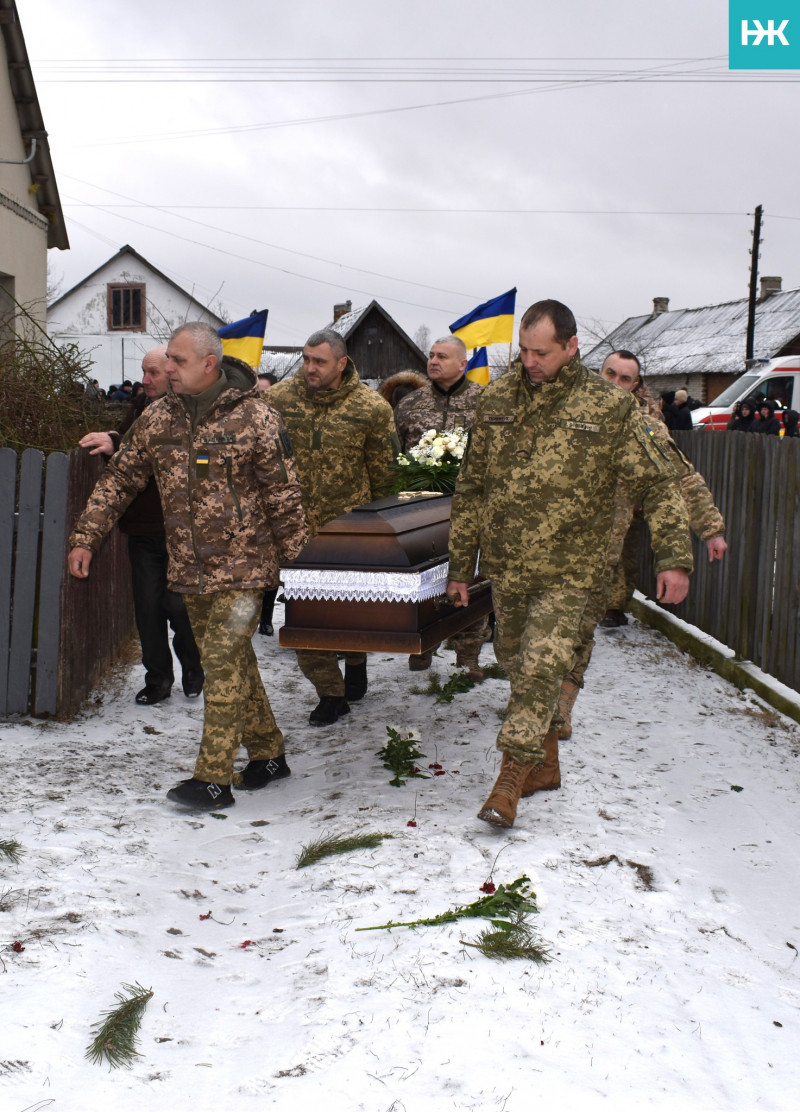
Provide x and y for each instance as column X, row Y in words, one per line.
column 389, row 534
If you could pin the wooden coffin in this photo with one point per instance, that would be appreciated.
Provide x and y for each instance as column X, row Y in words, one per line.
column 373, row 580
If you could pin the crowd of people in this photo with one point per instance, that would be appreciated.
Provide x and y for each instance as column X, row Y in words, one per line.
column 759, row 416
column 243, row 472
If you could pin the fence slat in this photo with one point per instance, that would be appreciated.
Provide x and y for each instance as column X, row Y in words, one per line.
column 30, row 500
column 751, row 602
column 54, row 527
column 8, row 489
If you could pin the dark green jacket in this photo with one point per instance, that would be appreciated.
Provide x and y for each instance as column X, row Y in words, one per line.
column 344, row 444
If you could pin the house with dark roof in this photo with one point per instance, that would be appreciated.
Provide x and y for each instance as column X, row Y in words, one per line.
column 703, row 350
column 121, row 310
column 375, row 342
column 31, row 218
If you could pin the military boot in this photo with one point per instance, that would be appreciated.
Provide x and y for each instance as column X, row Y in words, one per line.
column 566, row 701
column 544, row 777
column 468, row 658
column 501, row 806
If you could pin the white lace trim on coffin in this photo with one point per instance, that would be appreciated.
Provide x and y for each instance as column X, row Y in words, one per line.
column 365, row 586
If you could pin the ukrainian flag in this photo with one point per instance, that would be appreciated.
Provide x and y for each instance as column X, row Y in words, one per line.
column 490, row 323
column 478, row 367
column 244, row 339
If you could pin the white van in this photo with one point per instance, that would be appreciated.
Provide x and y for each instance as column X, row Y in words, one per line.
column 776, row 380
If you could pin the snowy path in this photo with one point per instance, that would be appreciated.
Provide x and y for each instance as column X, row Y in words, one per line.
column 675, row 988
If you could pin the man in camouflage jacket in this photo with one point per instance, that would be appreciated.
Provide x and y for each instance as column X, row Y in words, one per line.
column 535, row 497
column 223, row 463
column 447, row 402
column 345, row 445
column 622, row 369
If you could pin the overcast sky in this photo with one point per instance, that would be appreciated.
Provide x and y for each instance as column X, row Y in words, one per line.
column 267, row 184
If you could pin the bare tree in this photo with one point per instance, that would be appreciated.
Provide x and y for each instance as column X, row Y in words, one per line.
column 422, row 337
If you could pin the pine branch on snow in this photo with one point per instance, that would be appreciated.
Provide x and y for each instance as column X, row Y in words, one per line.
column 115, row 1037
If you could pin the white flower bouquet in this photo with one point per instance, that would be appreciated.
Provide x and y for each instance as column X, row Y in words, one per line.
column 433, row 463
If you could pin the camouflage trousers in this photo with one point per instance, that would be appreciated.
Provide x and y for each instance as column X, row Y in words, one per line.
column 237, row 710
column 595, row 609
column 536, row 640
column 621, row 576
column 322, row 669
column 471, row 639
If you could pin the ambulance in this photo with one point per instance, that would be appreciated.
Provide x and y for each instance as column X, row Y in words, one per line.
column 774, row 380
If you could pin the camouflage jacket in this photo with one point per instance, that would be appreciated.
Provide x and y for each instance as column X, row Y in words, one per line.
column 229, row 490
column 344, row 441
column 432, row 408
column 704, row 518
column 536, row 491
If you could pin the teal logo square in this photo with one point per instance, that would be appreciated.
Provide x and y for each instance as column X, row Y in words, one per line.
column 764, row 34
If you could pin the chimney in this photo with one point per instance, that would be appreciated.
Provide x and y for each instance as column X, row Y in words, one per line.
column 769, row 286
column 660, row 305
column 347, row 307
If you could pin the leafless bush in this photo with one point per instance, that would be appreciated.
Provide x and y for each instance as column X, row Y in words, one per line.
column 42, row 390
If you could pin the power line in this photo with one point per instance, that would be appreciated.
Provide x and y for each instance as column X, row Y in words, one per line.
column 285, row 270
column 405, row 209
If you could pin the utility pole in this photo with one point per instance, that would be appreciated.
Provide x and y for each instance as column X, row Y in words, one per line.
column 751, row 305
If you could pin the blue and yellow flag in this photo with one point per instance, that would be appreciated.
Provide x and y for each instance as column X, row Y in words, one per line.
column 490, row 323
column 244, row 339
column 478, row 367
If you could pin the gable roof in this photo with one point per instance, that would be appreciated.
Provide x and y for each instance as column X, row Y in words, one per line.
column 348, row 322
column 706, row 340
column 31, row 126
column 128, row 250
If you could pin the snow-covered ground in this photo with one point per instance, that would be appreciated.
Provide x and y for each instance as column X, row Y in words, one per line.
column 678, row 994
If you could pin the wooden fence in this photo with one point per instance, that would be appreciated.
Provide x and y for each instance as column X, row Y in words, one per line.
column 57, row 634
column 751, row 600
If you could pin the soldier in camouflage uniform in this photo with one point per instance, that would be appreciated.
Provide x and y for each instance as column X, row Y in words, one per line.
column 622, row 368
column 446, row 403
column 535, row 497
column 223, row 463
column 345, row 443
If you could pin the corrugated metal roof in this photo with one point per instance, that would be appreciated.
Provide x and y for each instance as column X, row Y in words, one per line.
column 282, row 364
column 706, row 340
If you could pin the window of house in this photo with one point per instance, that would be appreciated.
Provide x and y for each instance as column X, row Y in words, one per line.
column 126, row 307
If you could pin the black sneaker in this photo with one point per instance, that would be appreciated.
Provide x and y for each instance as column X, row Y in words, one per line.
column 192, row 682
column 266, row 629
column 153, row 693
column 201, row 796
column 328, row 710
column 258, row 774
column 613, row 618
column 355, row 682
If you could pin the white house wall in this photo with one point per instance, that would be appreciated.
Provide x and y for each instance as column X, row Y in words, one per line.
column 81, row 318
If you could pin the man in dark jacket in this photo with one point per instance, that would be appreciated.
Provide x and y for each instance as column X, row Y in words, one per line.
column 767, row 422
column 155, row 606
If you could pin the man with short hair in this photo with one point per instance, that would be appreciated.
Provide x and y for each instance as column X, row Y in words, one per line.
column 446, row 403
column 223, row 463
column 155, row 606
column 345, row 443
column 535, row 497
